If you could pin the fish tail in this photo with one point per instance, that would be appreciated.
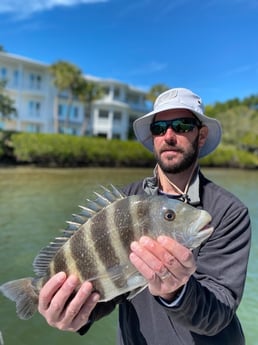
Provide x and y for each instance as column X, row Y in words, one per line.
column 24, row 293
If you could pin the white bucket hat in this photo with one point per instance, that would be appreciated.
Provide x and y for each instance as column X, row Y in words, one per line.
column 179, row 98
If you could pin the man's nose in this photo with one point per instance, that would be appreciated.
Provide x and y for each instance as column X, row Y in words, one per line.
column 170, row 133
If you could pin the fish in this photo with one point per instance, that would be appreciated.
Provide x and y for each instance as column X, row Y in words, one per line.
column 95, row 245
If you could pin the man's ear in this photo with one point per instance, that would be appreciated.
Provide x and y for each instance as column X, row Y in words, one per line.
column 203, row 133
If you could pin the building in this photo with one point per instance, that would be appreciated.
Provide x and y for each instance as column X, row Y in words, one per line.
column 39, row 104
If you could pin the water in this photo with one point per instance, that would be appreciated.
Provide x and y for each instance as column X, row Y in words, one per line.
column 34, row 204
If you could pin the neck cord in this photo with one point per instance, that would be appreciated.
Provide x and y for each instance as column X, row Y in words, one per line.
column 183, row 194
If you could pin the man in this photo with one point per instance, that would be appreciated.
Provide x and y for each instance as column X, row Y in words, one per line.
column 192, row 297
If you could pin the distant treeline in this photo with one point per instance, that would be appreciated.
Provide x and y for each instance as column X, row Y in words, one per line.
column 239, row 147
column 69, row 151
column 59, row 150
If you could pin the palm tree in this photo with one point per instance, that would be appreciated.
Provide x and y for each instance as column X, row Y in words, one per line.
column 7, row 108
column 66, row 77
column 88, row 92
column 155, row 91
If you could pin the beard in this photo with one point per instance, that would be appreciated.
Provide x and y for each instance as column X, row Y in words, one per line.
column 189, row 158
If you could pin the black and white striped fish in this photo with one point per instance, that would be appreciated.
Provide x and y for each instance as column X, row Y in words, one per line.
column 96, row 245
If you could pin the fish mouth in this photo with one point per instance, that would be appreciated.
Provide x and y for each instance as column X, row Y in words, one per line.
column 206, row 230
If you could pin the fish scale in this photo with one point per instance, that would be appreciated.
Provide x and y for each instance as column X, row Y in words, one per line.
column 95, row 246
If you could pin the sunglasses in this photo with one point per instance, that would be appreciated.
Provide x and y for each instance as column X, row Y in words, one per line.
column 182, row 125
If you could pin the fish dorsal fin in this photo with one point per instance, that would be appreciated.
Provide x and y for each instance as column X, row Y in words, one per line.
column 45, row 256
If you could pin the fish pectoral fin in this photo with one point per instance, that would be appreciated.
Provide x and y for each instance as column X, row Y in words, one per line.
column 136, row 280
column 118, row 274
column 114, row 274
column 138, row 283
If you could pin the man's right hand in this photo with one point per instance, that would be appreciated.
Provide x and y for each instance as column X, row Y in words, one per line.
column 53, row 304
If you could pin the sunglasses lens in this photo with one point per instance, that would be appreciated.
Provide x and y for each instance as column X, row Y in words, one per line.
column 158, row 128
column 182, row 125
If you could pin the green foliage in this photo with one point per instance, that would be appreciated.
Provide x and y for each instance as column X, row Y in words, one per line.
column 6, row 147
column 239, row 120
column 66, row 150
column 155, row 91
column 229, row 156
column 7, row 108
column 66, row 75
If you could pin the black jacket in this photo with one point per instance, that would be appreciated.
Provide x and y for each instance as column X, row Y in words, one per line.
column 206, row 314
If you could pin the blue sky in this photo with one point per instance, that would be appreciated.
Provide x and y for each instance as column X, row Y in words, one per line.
column 209, row 46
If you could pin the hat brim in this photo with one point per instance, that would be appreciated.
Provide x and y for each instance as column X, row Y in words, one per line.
column 142, row 130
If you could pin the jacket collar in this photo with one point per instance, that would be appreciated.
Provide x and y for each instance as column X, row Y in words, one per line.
column 150, row 186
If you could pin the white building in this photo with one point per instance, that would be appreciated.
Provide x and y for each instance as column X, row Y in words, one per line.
column 39, row 103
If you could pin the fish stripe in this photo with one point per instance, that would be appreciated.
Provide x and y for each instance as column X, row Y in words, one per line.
column 124, row 222
column 103, row 244
column 83, row 256
column 108, row 248
column 143, row 212
column 59, row 262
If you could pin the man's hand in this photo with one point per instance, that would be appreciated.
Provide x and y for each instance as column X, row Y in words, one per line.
column 165, row 264
column 54, row 306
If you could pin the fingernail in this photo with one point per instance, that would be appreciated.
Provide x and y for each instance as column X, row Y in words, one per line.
column 95, row 297
column 144, row 240
column 60, row 276
column 161, row 239
column 133, row 245
column 72, row 281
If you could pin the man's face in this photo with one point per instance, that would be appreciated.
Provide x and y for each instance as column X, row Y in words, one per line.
column 176, row 152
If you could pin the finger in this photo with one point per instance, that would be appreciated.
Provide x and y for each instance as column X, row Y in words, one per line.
column 172, row 270
column 82, row 306
column 181, row 253
column 163, row 258
column 49, row 290
column 54, row 312
column 142, row 267
column 145, row 262
column 83, row 295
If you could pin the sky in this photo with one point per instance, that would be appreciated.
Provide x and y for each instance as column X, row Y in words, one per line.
column 209, row 46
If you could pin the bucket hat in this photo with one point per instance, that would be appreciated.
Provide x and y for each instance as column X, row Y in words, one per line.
column 179, row 98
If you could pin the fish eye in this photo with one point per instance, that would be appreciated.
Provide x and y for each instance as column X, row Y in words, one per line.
column 169, row 215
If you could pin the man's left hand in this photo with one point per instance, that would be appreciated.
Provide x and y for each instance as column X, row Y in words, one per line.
column 164, row 263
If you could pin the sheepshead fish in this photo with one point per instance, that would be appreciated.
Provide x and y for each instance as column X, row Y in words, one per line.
column 95, row 246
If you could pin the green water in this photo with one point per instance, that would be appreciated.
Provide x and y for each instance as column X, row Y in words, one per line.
column 34, row 204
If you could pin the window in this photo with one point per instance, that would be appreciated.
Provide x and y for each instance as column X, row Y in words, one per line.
column 106, row 90
column 34, row 108
column 117, row 116
column 133, row 98
column 3, row 73
column 35, row 81
column 116, row 93
column 16, row 78
column 61, row 110
column 33, row 128
column 38, row 82
column 75, row 112
column 103, row 114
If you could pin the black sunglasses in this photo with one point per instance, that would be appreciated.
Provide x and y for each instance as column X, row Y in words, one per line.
column 181, row 125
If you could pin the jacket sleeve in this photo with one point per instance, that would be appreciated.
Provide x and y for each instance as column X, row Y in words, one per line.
column 214, row 292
